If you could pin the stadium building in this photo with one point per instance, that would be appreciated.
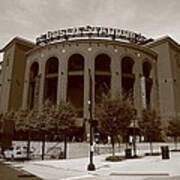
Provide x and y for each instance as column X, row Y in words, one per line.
column 59, row 66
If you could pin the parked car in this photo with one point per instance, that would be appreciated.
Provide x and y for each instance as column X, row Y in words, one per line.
column 17, row 152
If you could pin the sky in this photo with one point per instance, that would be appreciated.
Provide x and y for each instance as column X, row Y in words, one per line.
column 31, row 18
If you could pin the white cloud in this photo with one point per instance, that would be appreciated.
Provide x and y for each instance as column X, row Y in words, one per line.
column 30, row 18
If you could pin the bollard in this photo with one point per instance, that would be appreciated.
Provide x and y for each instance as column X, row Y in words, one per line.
column 128, row 153
column 165, row 152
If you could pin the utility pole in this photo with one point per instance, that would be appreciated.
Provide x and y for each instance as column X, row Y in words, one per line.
column 91, row 166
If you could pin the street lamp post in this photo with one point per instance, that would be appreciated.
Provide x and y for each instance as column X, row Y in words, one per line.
column 134, row 139
column 134, row 134
column 91, row 166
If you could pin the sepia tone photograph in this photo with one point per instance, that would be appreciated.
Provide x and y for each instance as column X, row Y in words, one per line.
column 89, row 90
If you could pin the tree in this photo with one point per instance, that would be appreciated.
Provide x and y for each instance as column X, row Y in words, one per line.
column 150, row 126
column 25, row 120
column 7, row 124
column 1, row 124
column 173, row 129
column 114, row 116
column 62, row 119
column 1, row 121
column 42, row 122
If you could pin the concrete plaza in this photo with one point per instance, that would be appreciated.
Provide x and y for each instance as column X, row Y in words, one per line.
column 144, row 168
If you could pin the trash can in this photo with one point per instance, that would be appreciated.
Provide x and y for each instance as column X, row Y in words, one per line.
column 165, row 152
column 128, row 153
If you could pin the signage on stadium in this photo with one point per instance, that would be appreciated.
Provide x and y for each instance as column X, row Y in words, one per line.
column 90, row 32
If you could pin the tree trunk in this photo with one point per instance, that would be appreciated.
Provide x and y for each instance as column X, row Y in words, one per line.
column 151, row 147
column 65, row 146
column 113, row 148
column 175, row 142
column 43, row 145
column 119, row 143
column 28, row 145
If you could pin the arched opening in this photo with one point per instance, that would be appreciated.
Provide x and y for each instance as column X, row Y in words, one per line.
column 148, row 82
column 51, row 79
column 102, row 76
column 33, row 85
column 128, row 77
column 75, row 89
column 146, row 69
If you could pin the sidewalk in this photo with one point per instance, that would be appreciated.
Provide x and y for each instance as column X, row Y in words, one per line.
column 135, row 169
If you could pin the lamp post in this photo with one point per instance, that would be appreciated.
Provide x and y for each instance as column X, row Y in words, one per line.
column 134, row 134
column 91, row 166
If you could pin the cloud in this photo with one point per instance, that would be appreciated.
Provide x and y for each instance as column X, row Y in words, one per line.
column 30, row 18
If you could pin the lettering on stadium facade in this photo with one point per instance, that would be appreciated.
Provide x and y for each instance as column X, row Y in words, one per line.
column 89, row 32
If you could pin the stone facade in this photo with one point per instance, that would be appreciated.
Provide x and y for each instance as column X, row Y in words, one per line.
column 12, row 74
column 155, row 66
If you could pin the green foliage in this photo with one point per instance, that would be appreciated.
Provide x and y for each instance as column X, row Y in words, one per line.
column 11, row 115
column 1, row 121
column 114, row 115
column 25, row 120
column 57, row 117
column 44, row 116
column 150, row 125
column 173, row 128
column 62, row 117
column 8, row 116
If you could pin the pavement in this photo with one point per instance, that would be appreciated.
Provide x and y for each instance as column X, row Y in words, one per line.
column 144, row 168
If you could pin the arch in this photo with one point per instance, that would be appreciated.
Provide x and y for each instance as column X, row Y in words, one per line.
column 128, row 78
column 51, row 65
column 75, row 87
column 102, row 63
column 103, row 51
column 34, row 70
column 76, row 62
column 51, row 79
column 127, row 65
column 33, row 84
column 102, row 75
column 147, row 69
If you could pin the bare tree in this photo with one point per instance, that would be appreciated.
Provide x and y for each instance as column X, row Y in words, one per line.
column 150, row 126
column 114, row 116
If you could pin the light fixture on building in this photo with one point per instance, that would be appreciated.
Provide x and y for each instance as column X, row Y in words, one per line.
column 89, row 49
column 115, row 50
column 63, row 50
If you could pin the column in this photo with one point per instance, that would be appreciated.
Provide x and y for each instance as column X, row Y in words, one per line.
column 116, row 76
column 60, row 80
column 64, row 78
column 137, row 87
column 26, row 86
column 42, row 81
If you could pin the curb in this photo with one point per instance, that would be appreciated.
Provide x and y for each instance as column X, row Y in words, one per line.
column 139, row 174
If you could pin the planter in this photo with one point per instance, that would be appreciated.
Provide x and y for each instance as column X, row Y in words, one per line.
column 115, row 158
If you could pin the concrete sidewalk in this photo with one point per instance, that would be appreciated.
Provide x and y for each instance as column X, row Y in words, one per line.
column 132, row 169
